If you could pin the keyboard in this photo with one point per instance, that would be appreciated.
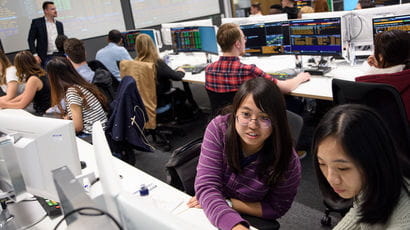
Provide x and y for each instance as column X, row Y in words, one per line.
column 195, row 69
column 318, row 70
column 284, row 74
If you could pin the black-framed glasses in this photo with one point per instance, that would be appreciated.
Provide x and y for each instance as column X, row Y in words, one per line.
column 245, row 118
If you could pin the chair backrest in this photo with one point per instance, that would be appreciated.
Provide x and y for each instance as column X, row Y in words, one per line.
column 181, row 167
column 145, row 77
column 399, row 80
column 385, row 99
column 219, row 100
column 295, row 123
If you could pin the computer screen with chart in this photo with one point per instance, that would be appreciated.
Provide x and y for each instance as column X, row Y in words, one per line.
column 267, row 38
column 316, row 36
column 129, row 37
column 194, row 39
column 399, row 22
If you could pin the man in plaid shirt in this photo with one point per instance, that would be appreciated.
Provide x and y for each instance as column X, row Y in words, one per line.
column 224, row 77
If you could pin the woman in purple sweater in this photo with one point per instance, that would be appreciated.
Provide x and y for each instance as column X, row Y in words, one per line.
column 247, row 163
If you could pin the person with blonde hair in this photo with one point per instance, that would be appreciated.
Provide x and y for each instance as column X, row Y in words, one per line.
column 8, row 79
column 37, row 89
column 147, row 52
column 305, row 10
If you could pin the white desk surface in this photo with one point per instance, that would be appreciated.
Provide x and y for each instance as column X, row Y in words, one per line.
column 319, row 87
column 164, row 195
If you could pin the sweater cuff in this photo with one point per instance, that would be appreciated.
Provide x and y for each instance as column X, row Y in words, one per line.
column 267, row 211
column 229, row 220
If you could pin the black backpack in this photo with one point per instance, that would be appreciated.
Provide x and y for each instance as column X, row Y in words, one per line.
column 102, row 79
column 181, row 167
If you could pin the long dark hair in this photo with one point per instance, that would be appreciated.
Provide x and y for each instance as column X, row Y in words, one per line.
column 394, row 48
column 277, row 149
column 62, row 75
column 365, row 139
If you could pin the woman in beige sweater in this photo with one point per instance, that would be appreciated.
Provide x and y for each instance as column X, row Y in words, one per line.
column 355, row 157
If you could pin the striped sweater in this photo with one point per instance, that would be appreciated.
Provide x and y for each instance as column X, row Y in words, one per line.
column 91, row 113
column 215, row 182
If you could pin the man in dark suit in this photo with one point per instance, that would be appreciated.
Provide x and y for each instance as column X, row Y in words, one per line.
column 43, row 32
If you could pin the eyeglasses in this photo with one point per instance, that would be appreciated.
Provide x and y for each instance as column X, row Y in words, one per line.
column 245, row 118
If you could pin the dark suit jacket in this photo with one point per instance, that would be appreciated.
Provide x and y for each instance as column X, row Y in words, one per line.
column 38, row 33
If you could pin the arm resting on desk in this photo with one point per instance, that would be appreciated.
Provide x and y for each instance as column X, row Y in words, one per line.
column 291, row 84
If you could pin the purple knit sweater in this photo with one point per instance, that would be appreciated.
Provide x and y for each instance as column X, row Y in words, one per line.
column 215, row 182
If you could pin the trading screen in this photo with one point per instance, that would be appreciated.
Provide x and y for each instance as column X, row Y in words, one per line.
column 316, row 36
column 129, row 38
column 194, row 39
column 401, row 22
column 267, row 38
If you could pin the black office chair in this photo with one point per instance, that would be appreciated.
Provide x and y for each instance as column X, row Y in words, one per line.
column 387, row 102
column 385, row 99
column 219, row 101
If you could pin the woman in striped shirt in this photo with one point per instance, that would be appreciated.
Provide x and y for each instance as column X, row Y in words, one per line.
column 85, row 104
column 247, row 164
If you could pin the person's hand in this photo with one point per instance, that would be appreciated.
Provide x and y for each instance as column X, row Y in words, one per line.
column 371, row 60
column 193, row 203
column 304, row 76
column 38, row 59
column 180, row 69
column 240, row 227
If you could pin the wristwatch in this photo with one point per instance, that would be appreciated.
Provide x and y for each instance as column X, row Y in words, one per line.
column 229, row 202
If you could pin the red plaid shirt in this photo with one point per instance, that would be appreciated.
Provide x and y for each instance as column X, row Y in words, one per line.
column 228, row 73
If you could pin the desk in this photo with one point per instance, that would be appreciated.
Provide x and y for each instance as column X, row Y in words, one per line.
column 319, row 87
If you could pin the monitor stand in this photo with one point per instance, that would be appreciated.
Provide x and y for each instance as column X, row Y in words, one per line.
column 21, row 215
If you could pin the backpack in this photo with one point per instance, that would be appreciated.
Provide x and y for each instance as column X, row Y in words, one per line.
column 181, row 167
column 102, row 79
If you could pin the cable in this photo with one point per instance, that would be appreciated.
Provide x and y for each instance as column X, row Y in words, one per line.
column 88, row 214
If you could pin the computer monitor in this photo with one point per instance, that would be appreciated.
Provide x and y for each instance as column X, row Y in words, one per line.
column 166, row 28
column 316, row 36
column 135, row 212
column 194, row 39
column 266, row 38
column 360, row 21
column 399, row 22
column 255, row 20
column 129, row 37
column 42, row 145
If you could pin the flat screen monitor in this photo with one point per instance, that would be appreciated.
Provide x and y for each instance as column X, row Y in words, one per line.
column 41, row 145
column 194, row 39
column 266, row 38
column 129, row 37
column 255, row 20
column 399, row 22
column 166, row 28
column 316, row 36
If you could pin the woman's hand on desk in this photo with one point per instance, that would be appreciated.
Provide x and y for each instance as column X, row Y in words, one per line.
column 193, row 203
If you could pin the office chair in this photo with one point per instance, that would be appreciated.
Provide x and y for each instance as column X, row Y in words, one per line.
column 385, row 99
column 387, row 102
column 219, row 101
column 145, row 77
column 399, row 80
column 124, row 128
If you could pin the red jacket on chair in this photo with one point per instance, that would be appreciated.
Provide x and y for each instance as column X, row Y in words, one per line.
column 400, row 81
